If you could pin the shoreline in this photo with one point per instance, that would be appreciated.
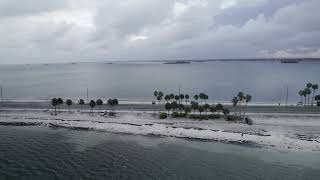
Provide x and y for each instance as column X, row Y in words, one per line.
column 281, row 131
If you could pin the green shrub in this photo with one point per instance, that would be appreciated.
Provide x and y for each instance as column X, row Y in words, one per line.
column 178, row 115
column 232, row 118
column 214, row 116
column 163, row 115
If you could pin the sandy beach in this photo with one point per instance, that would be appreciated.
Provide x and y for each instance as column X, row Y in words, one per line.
column 292, row 128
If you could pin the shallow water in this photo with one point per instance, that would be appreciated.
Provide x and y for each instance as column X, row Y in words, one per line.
column 44, row 153
column 267, row 81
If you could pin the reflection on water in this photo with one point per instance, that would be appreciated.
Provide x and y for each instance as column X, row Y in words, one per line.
column 36, row 152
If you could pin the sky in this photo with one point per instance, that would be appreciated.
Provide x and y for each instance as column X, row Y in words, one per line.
column 38, row 31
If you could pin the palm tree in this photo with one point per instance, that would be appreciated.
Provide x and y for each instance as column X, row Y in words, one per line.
column 181, row 107
column 248, row 99
column 60, row 102
column 155, row 94
column 194, row 106
column 301, row 94
column 187, row 98
column 219, row 107
column 181, row 98
column 54, row 103
column 201, row 96
column 99, row 103
column 115, row 102
column 212, row 109
column 81, row 103
column 174, row 105
column 305, row 97
column 160, row 93
column 240, row 98
column 167, row 98
column 168, row 107
column 69, row 103
column 177, row 97
column 154, row 108
column 309, row 86
column 235, row 101
column 110, row 103
column 206, row 107
column 314, row 88
column 171, row 97
column 159, row 98
column 205, row 98
column 92, row 105
column 187, row 110
column 196, row 97
column 317, row 98
column 200, row 109
column 308, row 92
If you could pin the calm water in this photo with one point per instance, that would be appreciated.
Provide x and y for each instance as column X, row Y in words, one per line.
column 42, row 153
column 266, row 81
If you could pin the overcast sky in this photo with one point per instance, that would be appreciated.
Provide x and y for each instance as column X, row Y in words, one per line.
column 43, row 31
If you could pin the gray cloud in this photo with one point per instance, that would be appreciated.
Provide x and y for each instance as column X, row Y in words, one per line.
column 83, row 30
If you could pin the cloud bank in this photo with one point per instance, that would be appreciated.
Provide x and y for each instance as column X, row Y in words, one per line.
column 40, row 31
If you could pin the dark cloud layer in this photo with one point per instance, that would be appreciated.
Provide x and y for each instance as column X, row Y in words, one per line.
column 83, row 30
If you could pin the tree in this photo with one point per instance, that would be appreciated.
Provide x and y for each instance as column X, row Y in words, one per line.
column 171, row 97
column 99, row 103
column 110, row 103
column 174, row 105
column 81, row 103
column 304, row 93
column 159, row 98
column 248, row 99
column 301, row 94
column 92, row 105
column 200, row 109
column 219, row 107
column 196, row 97
column 160, row 93
column 69, row 103
column 177, row 97
column 60, row 102
column 212, row 109
column 235, row 101
column 168, row 107
column 155, row 94
column 240, row 98
column 308, row 92
column 226, row 111
column 187, row 110
column 115, row 102
column 181, row 107
column 206, row 107
column 154, row 108
column 54, row 103
column 317, row 98
column 314, row 88
column 194, row 106
column 187, row 98
column 167, row 98
column 181, row 98
column 205, row 98
column 202, row 97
